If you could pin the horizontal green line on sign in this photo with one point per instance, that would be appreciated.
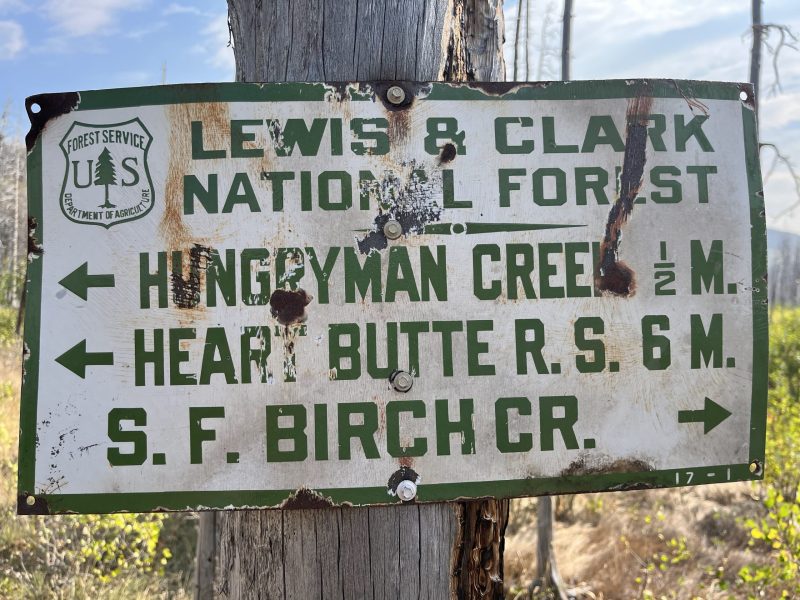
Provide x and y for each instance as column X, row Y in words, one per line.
column 439, row 492
column 438, row 91
column 470, row 228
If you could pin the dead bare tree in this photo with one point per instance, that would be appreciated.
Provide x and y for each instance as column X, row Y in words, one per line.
column 548, row 579
column 786, row 39
column 755, row 51
column 12, row 191
column 516, row 40
column 527, row 39
column 566, row 28
column 547, row 52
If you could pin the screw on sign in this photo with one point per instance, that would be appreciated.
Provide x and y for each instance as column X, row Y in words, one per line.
column 396, row 94
column 401, row 381
column 406, row 490
column 392, row 229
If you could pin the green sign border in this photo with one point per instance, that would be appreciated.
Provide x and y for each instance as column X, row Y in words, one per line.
column 292, row 92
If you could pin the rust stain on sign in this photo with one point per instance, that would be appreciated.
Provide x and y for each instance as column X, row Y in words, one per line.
column 186, row 289
column 34, row 248
column 307, row 498
column 622, row 465
column 289, row 306
column 448, row 153
column 216, row 132
column 614, row 276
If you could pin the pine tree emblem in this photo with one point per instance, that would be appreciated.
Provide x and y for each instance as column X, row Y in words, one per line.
column 105, row 174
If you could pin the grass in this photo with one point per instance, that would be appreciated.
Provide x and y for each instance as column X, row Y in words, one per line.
column 675, row 543
column 92, row 557
column 739, row 540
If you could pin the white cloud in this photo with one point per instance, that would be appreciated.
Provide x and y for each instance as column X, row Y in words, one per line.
column 723, row 59
column 599, row 27
column 545, row 36
column 138, row 34
column 182, row 9
column 12, row 39
column 606, row 21
column 780, row 195
column 7, row 6
column 85, row 17
column 776, row 112
column 135, row 78
column 215, row 46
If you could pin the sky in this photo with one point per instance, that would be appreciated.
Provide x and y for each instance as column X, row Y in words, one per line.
column 67, row 45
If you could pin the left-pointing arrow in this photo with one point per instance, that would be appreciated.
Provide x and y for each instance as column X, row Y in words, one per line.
column 76, row 359
column 79, row 281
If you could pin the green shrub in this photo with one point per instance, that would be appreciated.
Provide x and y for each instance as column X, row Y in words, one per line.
column 777, row 531
column 8, row 326
column 125, row 556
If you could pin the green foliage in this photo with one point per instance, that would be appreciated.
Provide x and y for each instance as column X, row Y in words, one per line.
column 124, row 556
column 8, row 325
column 42, row 556
column 103, row 546
column 783, row 426
column 777, row 531
column 11, row 283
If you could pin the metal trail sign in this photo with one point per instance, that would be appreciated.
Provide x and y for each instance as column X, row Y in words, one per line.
column 255, row 295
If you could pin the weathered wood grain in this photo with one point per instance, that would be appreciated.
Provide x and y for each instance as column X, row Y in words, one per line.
column 336, row 40
column 205, row 558
column 398, row 552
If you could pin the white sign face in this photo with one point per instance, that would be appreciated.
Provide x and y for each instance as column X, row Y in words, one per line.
column 303, row 294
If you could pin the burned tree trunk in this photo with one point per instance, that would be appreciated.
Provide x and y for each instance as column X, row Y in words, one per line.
column 411, row 551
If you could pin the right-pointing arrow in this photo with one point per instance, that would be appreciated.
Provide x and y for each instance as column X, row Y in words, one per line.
column 76, row 359
column 710, row 416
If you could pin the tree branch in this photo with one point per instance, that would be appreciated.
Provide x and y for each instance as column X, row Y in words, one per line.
column 786, row 161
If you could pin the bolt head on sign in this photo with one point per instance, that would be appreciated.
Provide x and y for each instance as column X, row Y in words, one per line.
column 392, row 229
column 406, row 490
column 396, row 94
column 402, row 381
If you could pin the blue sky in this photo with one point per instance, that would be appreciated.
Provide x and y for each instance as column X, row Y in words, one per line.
column 65, row 45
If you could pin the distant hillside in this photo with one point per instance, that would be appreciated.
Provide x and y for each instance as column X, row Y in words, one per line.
column 781, row 239
column 783, row 250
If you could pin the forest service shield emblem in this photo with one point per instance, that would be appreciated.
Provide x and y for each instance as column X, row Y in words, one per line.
column 107, row 180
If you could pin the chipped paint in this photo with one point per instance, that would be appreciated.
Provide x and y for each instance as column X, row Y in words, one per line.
column 404, row 473
column 305, row 498
column 410, row 199
column 628, row 465
column 45, row 107
column 289, row 306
